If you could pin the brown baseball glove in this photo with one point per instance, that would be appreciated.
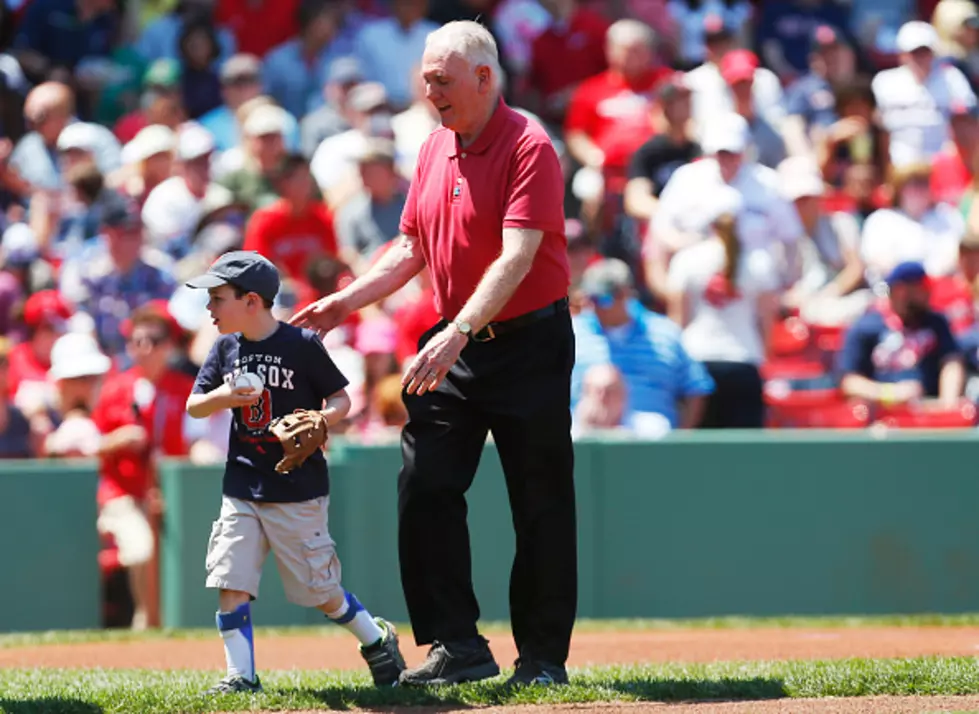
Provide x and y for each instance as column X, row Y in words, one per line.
column 301, row 434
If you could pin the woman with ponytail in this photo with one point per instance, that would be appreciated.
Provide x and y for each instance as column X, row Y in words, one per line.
column 725, row 296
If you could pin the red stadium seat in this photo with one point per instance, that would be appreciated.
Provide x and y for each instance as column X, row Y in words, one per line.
column 963, row 416
column 789, row 338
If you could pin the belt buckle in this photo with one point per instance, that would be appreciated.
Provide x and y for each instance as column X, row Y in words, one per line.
column 489, row 330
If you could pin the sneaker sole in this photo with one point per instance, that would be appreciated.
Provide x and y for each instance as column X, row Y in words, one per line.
column 470, row 674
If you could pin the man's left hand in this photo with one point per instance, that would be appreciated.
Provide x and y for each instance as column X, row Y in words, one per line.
column 432, row 364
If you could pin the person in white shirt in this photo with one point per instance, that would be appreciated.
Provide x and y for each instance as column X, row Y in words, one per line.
column 711, row 94
column 769, row 221
column 915, row 100
column 725, row 296
column 915, row 229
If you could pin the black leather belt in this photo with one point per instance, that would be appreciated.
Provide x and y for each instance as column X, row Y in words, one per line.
column 496, row 329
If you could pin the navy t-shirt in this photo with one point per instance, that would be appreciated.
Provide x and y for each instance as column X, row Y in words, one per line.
column 874, row 350
column 298, row 374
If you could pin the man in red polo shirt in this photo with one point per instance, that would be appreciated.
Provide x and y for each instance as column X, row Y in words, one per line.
column 297, row 228
column 485, row 214
column 140, row 412
column 45, row 315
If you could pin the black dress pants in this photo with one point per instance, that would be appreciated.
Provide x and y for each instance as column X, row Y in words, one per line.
column 516, row 386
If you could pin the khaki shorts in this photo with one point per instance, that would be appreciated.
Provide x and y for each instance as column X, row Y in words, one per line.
column 297, row 535
column 124, row 520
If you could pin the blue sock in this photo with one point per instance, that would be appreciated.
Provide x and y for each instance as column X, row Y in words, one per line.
column 239, row 642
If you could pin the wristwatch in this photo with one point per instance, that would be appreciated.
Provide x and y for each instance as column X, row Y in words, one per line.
column 464, row 328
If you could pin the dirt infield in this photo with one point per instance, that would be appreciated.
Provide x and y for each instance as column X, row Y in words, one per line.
column 335, row 651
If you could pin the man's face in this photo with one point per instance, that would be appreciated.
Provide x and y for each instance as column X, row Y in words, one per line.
column 150, row 345
column 742, row 89
column 729, row 163
column 378, row 178
column 839, row 61
column 238, row 90
column 679, row 109
column 630, row 59
column 124, row 243
column 910, row 301
column 268, row 149
column 46, row 121
column 920, row 60
column 297, row 187
column 458, row 92
column 78, row 392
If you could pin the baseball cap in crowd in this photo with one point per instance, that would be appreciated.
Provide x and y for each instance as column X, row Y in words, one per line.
column 674, row 87
column 800, row 177
column 162, row 74
column 77, row 354
column 19, row 249
column 824, row 36
column 738, row 66
column 241, row 67
column 46, row 307
column 728, row 132
column 119, row 211
column 266, row 119
column 150, row 141
column 367, row 97
column 345, row 70
column 243, row 269
column 915, row 35
column 909, row 272
column 601, row 281
column 193, row 141
column 79, row 135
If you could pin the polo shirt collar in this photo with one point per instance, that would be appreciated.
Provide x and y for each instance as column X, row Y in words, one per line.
column 486, row 137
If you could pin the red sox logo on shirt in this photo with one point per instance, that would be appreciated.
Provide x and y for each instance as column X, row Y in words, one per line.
column 269, row 368
column 898, row 351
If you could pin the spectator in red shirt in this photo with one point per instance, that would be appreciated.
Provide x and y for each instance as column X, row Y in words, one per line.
column 45, row 314
column 140, row 413
column 953, row 168
column 259, row 25
column 570, row 51
column 295, row 229
column 614, row 105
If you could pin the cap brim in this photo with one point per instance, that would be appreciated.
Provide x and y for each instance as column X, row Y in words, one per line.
column 207, row 280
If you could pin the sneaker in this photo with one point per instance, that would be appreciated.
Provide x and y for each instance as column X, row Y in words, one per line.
column 384, row 657
column 235, row 685
column 453, row 663
column 532, row 671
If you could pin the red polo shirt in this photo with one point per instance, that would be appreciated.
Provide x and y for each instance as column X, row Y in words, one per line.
column 607, row 107
column 461, row 199
column 564, row 56
column 127, row 472
column 289, row 240
column 260, row 25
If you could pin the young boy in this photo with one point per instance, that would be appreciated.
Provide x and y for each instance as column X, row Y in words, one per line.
column 262, row 509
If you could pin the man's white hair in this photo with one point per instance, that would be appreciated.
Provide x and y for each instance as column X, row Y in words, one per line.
column 471, row 41
column 630, row 32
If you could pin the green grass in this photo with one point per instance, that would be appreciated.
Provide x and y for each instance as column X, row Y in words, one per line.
column 143, row 692
column 27, row 639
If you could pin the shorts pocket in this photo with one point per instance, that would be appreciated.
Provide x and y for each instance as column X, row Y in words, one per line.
column 321, row 559
column 211, row 560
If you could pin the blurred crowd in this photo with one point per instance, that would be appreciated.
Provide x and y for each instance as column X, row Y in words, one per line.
column 771, row 215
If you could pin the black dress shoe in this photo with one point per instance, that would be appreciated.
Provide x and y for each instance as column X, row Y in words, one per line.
column 535, row 671
column 453, row 663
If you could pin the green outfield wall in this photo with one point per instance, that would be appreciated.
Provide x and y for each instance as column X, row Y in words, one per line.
column 50, row 572
column 697, row 525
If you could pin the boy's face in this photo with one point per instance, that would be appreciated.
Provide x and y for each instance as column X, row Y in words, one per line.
column 229, row 312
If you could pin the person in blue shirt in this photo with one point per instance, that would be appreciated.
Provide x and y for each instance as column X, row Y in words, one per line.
column 901, row 351
column 810, row 101
column 784, row 29
column 263, row 508
column 660, row 377
column 66, row 31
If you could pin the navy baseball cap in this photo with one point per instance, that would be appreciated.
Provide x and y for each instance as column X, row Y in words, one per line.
column 908, row 272
column 244, row 269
